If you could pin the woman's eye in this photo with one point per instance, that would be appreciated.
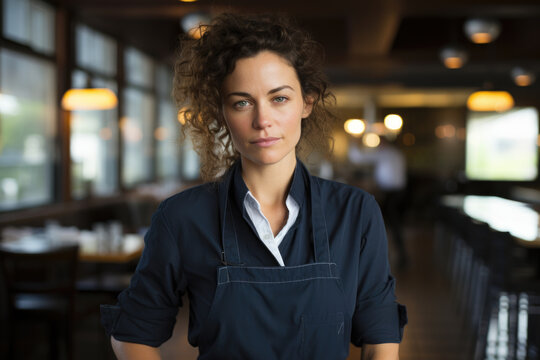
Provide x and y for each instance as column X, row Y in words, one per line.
column 241, row 103
column 280, row 99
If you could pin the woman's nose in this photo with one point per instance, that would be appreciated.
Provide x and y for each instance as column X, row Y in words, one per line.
column 261, row 119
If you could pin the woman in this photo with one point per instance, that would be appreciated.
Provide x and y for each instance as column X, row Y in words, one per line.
column 277, row 264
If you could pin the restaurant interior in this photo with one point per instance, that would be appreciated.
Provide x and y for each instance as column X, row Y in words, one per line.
column 440, row 95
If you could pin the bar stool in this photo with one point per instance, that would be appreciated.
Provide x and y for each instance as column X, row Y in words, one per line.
column 40, row 287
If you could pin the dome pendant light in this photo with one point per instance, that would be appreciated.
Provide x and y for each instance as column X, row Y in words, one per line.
column 482, row 31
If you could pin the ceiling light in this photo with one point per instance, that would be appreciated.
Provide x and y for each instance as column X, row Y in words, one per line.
column 522, row 77
column 482, row 31
column 393, row 122
column 490, row 101
column 453, row 57
column 89, row 99
column 354, row 126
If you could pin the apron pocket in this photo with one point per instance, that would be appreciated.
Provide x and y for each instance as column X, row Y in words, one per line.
column 325, row 337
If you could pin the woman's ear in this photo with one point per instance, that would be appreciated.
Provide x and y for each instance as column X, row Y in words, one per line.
column 308, row 106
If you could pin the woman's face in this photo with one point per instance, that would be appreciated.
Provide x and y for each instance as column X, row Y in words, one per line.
column 263, row 107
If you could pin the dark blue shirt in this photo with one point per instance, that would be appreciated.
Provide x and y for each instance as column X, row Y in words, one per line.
column 183, row 251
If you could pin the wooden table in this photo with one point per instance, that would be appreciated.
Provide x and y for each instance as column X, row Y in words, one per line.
column 514, row 217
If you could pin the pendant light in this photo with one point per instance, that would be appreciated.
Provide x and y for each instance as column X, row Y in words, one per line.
column 89, row 99
column 490, row 101
column 482, row 31
column 453, row 57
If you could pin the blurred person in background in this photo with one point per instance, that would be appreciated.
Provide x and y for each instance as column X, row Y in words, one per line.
column 277, row 263
column 390, row 175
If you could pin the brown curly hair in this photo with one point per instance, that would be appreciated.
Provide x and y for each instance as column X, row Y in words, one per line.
column 202, row 65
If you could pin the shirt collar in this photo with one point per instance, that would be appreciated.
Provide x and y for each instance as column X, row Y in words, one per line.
column 297, row 190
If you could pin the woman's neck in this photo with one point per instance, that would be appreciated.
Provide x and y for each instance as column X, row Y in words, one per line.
column 269, row 184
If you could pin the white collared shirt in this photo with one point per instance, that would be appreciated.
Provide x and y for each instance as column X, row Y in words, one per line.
column 264, row 230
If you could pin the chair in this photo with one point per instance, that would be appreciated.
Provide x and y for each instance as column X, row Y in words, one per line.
column 40, row 287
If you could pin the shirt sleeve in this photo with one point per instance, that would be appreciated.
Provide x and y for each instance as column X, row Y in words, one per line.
column 146, row 311
column 378, row 318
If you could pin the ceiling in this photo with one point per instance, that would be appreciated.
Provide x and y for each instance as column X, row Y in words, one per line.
column 376, row 46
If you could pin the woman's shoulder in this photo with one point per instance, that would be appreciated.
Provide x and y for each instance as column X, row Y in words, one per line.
column 338, row 191
column 191, row 201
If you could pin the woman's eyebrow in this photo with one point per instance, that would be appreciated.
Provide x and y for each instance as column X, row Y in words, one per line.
column 280, row 88
column 245, row 94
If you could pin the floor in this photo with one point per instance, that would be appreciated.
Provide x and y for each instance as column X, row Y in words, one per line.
column 434, row 332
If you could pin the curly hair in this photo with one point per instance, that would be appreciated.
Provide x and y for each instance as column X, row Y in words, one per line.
column 202, row 65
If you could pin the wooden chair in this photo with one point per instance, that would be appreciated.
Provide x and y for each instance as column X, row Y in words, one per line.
column 41, row 288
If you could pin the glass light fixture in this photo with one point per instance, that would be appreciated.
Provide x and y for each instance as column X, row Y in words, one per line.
column 522, row 77
column 89, row 99
column 490, row 101
column 453, row 57
column 355, row 127
column 482, row 31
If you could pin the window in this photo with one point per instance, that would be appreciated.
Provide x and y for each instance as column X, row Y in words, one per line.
column 502, row 146
column 168, row 129
column 137, row 124
column 94, row 134
column 27, row 130
column 137, row 128
column 95, row 51
column 31, row 23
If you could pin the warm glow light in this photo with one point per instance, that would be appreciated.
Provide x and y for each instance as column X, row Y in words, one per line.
column 523, row 80
column 409, row 139
column 445, row 131
column 105, row 133
column 523, row 77
column 354, row 126
column 393, row 121
column 130, row 131
column 481, row 38
column 453, row 57
column 89, row 99
column 490, row 101
column 453, row 62
column 188, row 0
column 161, row 133
column 371, row 140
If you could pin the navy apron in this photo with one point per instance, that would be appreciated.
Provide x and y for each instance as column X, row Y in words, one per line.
column 295, row 312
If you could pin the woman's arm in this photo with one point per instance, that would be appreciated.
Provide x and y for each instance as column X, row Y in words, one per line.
column 131, row 351
column 387, row 351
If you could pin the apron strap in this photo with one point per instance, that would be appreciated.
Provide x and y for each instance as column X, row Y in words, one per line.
column 321, row 246
column 230, row 254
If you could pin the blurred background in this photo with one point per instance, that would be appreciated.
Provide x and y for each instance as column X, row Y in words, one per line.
column 437, row 116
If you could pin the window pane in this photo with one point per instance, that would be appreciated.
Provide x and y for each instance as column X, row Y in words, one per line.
column 94, row 142
column 139, row 68
column 164, row 76
column 30, row 22
column 95, row 51
column 137, row 129
column 27, row 124
column 167, row 145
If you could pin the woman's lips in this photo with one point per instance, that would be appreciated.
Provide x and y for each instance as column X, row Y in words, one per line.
column 265, row 142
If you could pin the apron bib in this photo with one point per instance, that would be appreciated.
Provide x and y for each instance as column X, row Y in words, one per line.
column 291, row 312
